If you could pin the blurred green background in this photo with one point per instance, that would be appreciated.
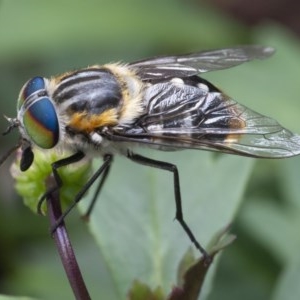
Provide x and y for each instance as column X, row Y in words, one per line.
column 48, row 38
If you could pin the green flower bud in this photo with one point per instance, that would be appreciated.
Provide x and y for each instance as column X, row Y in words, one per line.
column 31, row 184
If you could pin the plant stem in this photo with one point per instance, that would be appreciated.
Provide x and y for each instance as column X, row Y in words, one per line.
column 64, row 245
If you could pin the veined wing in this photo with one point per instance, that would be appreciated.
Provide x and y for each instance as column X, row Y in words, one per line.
column 200, row 62
column 197, row 118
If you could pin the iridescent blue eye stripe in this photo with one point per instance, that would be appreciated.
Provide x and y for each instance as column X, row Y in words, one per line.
column 31, row 99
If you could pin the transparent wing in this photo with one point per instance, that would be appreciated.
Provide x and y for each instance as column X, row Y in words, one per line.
column 200, row 62
column 198, row 118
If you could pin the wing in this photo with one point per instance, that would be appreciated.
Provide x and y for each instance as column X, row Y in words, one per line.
column 200, row 62
column 182, row 116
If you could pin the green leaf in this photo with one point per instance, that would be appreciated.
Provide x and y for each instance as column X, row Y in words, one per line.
column 133, row 220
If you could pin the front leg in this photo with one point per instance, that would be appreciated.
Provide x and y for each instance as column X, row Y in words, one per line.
column 104, row 169
column 55, row 166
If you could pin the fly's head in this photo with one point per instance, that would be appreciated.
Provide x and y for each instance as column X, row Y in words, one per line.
column 36, row 119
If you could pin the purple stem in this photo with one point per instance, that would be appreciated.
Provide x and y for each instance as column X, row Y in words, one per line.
column 64, row 246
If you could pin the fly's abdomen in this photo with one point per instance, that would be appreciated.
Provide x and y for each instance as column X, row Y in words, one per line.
column 175, row 104
column 191, row 109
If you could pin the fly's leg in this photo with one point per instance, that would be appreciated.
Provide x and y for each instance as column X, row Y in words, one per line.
column 56, row 165
column 99, row 187
column 106, row 164
column 179, row 215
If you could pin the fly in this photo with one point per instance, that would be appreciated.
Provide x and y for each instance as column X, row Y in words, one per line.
column 160, row 103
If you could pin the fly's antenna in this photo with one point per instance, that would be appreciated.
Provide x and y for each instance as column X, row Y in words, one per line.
column 13, row 123
column 9, row 152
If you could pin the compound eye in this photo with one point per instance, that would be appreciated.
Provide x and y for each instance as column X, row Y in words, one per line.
column 41, row 123
column 37, row 113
